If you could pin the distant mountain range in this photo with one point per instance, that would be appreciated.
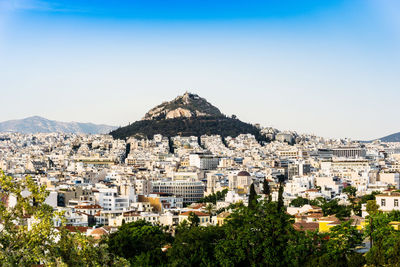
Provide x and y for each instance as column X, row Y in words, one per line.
column 391, row 138
column 38, row 124
column 187, row 115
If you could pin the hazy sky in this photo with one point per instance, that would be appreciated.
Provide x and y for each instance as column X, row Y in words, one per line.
column 331, row 68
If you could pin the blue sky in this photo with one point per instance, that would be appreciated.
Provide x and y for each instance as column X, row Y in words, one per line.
column 325, row 67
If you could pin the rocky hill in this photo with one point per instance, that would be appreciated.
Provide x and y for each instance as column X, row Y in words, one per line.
column 38, row 124
column 186, row 115
column 186, row 106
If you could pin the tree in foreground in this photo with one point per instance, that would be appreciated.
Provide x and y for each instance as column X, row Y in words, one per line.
column 337, row 247
column 385, row 249
column 262, row 236
column 266, row 189
column 195, row 246
column 139, row 242
column 252, row 197
column 350, row 191
column 299, row 202
column 41, row 242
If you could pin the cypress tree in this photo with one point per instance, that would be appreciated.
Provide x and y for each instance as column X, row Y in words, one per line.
column 280, row 194
column 171, row 145
column 266, row 189
column 252, row 197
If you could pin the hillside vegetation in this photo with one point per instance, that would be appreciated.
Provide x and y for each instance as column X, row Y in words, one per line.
column 198, row 126
column 187, row 115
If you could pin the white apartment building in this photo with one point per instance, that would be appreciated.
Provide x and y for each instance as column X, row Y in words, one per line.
column 110, row 200
column 298, row 185
column 330, row 185
column 388, row 201
column 203, row 161
column 191, row 191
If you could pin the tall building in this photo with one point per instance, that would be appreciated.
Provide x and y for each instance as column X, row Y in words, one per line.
column 203, row 161
column 343, row 152
column 349, row 152
column 190, row 191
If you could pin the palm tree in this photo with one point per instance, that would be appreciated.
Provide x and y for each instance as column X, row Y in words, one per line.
column 210, row 208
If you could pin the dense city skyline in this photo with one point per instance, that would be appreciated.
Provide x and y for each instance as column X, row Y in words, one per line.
column 323, row 68
column 199, row 133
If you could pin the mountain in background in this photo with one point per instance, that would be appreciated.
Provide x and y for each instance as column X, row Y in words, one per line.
column 186, row 106
column 38, row 124
column 187, row 115
column 391, row 138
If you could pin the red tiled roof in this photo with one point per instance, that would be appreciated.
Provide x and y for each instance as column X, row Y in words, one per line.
column 198, row 206
column 99, row 231
column 306, row 226
column 312, row 190
column 198, row 213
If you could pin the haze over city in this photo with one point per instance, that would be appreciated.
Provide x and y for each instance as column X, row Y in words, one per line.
column 200, row 133
column 324, row 67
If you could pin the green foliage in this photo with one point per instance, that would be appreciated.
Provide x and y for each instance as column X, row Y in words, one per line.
column 213, row 198
column 262, row 236
column 224, row 141
column 41, row 242
column 210, row 208
column 299, row 202
column 357, row 203
column 222, row 125
column 280, row 195
column 20, row 245
column 78, row 250
column 139, row 242
column 127, row 149
column 171, row 145
column 193, row 220
column 319, row 201
column 371, row 196
column 356, row 206
column 350, row 191
column 372, row 208
column 394, row 215
column 195, row 246
column 199, row 142
column 385, row 250
column 266, row 189
column 337, row 249
column 252, row 197
column 333, row 207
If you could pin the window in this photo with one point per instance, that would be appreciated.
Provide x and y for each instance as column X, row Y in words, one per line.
column 383, row 202
column 396, row 202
